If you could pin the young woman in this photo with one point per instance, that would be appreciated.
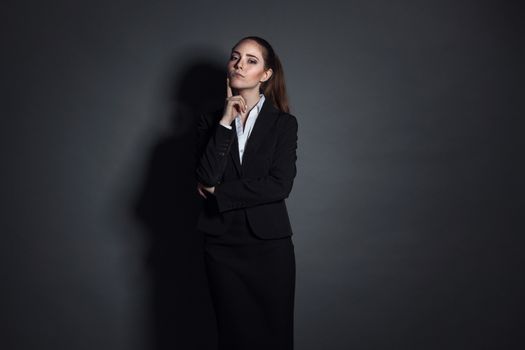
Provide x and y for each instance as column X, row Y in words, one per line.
column 246, row 165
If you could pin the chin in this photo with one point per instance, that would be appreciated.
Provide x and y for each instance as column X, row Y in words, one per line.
column 237, row 82
column 239, row 87
column 242, row 86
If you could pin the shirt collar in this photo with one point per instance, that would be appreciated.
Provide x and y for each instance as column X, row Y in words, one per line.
column 260, row 103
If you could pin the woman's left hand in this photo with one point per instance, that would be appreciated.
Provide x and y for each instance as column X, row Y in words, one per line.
column 201, row 187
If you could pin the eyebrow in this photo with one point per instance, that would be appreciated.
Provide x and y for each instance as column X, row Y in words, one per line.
column 246, row 54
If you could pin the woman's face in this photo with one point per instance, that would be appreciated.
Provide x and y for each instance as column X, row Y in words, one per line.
column 246, row 66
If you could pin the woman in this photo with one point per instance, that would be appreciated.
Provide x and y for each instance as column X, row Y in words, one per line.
column 245, row 169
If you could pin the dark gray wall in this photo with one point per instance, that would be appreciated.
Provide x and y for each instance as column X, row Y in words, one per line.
column 407, row 207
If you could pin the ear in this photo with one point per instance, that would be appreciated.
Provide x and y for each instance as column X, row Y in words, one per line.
column 267, row 75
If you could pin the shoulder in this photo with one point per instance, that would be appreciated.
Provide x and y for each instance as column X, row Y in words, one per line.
column 288, row 120
column 287, row 127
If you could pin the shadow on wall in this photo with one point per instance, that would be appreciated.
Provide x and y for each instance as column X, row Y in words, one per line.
column 168, row 206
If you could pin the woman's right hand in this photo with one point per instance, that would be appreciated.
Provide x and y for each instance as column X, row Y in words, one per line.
column 234, row 105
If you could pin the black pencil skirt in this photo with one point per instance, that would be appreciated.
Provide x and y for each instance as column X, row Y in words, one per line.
column 252, row 285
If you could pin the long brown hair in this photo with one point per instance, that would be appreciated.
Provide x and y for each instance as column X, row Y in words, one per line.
column 275, row 87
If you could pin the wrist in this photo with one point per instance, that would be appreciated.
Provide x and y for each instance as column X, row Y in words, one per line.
column 225, row 122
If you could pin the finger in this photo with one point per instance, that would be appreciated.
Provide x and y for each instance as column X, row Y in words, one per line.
column 240, row 103
column 199, row 188
column 238, row 106
column 244, row 104
column 229, row 92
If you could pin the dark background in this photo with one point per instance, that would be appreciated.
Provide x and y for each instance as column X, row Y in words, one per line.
column 408, row 205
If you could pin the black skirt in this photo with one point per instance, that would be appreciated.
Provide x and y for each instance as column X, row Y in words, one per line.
column 252, row 285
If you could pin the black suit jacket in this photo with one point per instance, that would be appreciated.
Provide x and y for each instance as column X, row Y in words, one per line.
column 260, row 184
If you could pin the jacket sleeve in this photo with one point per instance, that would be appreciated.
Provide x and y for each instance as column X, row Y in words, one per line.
column 213, row 145
column 275, row 186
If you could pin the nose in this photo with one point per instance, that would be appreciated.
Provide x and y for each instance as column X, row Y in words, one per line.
column 238, row 65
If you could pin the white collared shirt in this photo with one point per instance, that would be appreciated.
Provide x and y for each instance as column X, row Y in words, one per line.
column 243, row 135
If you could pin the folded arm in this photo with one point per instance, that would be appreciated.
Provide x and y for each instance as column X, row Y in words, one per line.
column 275, row 186
column 213, row 145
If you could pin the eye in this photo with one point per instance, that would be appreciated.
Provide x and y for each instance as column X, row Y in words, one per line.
column 233, row 57
column 253, row 61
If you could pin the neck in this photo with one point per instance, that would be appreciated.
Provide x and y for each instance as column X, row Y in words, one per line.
column 251, row 96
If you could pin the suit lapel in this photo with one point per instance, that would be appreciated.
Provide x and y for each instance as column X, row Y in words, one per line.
column 262, row 126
